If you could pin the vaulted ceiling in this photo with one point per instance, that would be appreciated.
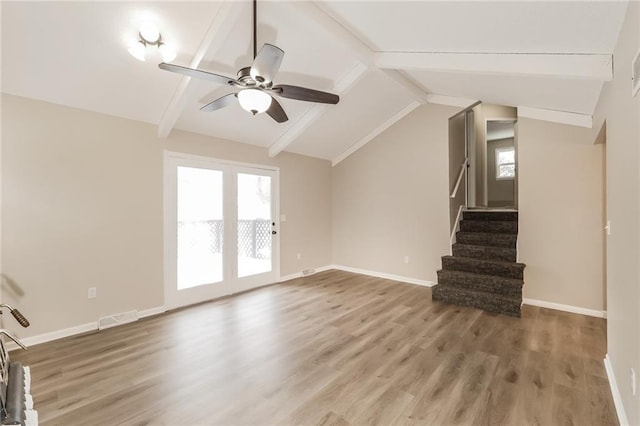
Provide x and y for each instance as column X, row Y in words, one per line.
column 384, row 58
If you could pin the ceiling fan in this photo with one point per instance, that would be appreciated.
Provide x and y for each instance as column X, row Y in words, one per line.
column 256, row 83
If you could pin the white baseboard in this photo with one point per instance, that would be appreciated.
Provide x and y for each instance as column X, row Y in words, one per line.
column 300, row 274
column 152, row 311
column 615, row 392
column 385, row 275
column 54, row 335
column 72, row 331
column 566, row 308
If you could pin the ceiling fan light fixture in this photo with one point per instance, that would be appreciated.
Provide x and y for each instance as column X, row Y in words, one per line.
column 149, row 32
column 138, row 50
column 254, row 101
column 168, row 53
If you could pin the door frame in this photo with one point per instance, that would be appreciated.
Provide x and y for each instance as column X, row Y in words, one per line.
column 169, row 255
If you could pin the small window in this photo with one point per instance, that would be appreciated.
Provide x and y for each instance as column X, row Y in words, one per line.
column 505, row 163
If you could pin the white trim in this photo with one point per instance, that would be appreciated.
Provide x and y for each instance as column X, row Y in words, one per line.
column 375, row 132
column 581, row 66
column 194, row 157
column 384, row 275
column 455, row 229
column 301, row 274
column 463, row 169
column 341, row 87
column 320, row 13
column 215, row 37
column 615, row 392
column 78, row 329
column 414, row 89
column 55, row 335
column 151, row 312
column 566, row 308
column 290, row 277
column 563, row 117
column 454, row 101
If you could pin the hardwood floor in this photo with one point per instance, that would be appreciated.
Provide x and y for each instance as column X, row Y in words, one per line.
column 334, row 348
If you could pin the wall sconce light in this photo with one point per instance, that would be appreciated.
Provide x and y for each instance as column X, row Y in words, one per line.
column 149, row 35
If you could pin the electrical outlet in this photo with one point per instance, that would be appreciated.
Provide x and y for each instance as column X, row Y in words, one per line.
column 298, row 256
column 406, row 259
column 92, row 293
column 634, row 387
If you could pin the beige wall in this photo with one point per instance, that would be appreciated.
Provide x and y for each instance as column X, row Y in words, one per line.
column 82, row 207
column 390, row 198
column 560, row 214
column 622, row 115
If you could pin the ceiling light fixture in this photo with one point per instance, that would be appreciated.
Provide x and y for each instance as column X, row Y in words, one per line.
column 253, row 100
column 149, row 35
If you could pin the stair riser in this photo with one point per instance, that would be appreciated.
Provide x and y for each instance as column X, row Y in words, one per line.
column 487, row 239
column 512, row 270
column 491, row 226
column 483, row 252
column 458, row 296
column 484, row 215
column 495, row 285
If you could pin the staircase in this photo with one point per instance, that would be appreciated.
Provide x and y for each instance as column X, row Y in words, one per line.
column 483, row 272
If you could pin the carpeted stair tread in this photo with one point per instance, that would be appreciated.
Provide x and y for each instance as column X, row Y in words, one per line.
column 490, row 226
column 507, row 305
column 479, row 282
column 487, row 239
column 503, row 254
column 489, row 215
column 482, row 272
column 484, row 267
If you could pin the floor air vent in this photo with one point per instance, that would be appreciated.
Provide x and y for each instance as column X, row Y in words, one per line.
column 117, row 319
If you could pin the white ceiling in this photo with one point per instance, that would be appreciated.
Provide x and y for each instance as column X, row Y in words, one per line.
column 75, row 54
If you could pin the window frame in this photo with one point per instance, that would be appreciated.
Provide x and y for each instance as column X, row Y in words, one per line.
column 497, row 153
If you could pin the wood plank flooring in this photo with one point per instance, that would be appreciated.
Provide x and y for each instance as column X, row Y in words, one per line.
column 334, row 348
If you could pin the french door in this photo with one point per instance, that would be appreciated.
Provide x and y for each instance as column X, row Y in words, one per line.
column 220, row 228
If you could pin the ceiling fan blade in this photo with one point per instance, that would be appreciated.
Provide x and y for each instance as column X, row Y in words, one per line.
column 305, row 94
column 205, row 75
column 267, row 63
column 276, row 112
column 222, row 102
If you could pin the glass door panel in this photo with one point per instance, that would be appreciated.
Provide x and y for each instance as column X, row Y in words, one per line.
column 254, row 225
column 220, row 228
column 200, row 227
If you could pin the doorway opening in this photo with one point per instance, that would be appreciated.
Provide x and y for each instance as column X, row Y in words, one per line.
column 501, row 164
column 492, row 145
